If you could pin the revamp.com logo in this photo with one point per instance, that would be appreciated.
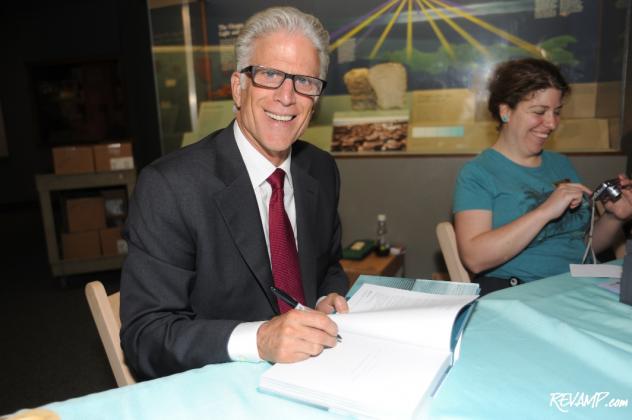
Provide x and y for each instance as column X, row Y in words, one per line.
column 566, row 401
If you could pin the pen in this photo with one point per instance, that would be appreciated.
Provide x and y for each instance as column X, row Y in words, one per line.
column 285, row 297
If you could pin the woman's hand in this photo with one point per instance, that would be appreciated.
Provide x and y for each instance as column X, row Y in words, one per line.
column 482, row 247
column 567, row 195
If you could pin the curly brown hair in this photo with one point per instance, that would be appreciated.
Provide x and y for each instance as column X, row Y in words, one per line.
column 515, row 80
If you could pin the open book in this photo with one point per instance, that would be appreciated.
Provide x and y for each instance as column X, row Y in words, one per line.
column 397, row 344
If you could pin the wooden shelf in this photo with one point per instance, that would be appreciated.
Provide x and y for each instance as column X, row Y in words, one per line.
column 68, row 267
column 50, row 182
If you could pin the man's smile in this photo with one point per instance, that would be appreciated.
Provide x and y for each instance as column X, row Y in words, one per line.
column 279, row 117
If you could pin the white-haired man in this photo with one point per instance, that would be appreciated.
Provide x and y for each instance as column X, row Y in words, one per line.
column 216, row 229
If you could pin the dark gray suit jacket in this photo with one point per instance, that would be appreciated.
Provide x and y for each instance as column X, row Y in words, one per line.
column 198, row 263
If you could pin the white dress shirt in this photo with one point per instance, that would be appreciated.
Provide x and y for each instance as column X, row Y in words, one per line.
column 242, row 344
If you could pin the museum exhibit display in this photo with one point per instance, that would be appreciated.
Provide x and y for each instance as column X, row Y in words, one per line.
column 446, row 49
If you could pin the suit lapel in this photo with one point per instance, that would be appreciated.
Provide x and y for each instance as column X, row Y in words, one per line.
column 306, row 199
column 238, row 206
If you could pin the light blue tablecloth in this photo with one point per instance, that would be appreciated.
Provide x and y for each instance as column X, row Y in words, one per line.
column 226, row 391
column 559, row 335
column 556, row 335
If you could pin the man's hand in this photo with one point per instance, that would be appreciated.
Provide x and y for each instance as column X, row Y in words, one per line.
column 295, row 336
column 333, row 302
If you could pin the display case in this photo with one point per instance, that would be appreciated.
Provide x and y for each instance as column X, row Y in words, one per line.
column 447, row 49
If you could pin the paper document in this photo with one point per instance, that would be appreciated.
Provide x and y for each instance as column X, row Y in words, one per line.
column 418, row 318
column 596, row 270
column 396, row 348
column 361, row 375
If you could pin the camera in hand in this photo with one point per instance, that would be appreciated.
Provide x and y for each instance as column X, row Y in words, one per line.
column 609, row 190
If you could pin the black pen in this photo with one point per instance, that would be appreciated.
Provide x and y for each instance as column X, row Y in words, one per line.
column 285, row 297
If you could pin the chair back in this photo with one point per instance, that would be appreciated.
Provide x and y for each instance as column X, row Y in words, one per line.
column 447, row 243
column 105, row 311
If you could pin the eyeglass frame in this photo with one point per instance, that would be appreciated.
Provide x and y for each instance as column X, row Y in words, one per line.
column 249, row 70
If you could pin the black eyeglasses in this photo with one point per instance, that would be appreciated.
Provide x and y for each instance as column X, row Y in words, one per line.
column 266, row 77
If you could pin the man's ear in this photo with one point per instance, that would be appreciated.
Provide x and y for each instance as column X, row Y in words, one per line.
column 235, row 88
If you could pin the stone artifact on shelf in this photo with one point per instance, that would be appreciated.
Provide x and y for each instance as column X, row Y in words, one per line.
column 362, row 94
column 389, row 81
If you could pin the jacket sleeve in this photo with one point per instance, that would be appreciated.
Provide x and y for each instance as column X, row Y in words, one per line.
column 160, row 333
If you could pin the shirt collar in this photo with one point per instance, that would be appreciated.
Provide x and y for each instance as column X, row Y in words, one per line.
column 259, row 168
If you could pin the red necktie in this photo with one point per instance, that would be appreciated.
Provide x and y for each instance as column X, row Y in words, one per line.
column 285, row 267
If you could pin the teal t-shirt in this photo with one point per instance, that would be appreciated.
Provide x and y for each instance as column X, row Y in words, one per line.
column 493, row 182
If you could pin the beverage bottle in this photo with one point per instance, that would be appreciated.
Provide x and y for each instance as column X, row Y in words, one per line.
column 382, row 247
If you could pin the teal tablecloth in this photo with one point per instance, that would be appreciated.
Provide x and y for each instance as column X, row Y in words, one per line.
column 527, row 353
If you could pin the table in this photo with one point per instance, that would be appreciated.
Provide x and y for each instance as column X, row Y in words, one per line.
column 373, row 265
column 526, row 351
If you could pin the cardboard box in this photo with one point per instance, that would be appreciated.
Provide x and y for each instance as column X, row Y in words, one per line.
column 81, row 245
column 112, row 243
column 113, row 157
column 73, row 160
column 115, row 201
column 85, row 214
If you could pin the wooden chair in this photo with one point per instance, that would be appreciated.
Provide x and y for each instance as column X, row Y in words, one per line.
column 105, row 311
column 447, row 243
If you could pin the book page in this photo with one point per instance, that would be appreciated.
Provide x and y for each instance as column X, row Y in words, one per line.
column 346, row 376
column 439, row 287
column 372, row 297
column 417, row 318
column 395, row 349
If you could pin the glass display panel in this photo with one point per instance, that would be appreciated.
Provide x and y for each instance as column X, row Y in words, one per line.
column 445, row 51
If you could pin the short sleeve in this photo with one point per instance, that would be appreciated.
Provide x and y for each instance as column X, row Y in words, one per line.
column 473, row 190
column 565, row 165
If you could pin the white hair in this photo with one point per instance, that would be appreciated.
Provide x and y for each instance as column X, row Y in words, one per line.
column 276, row 19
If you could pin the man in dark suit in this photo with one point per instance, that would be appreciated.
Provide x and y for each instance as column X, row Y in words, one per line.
column 202, row 233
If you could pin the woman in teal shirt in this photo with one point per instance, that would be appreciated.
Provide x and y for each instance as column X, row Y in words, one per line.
column 522, row 212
